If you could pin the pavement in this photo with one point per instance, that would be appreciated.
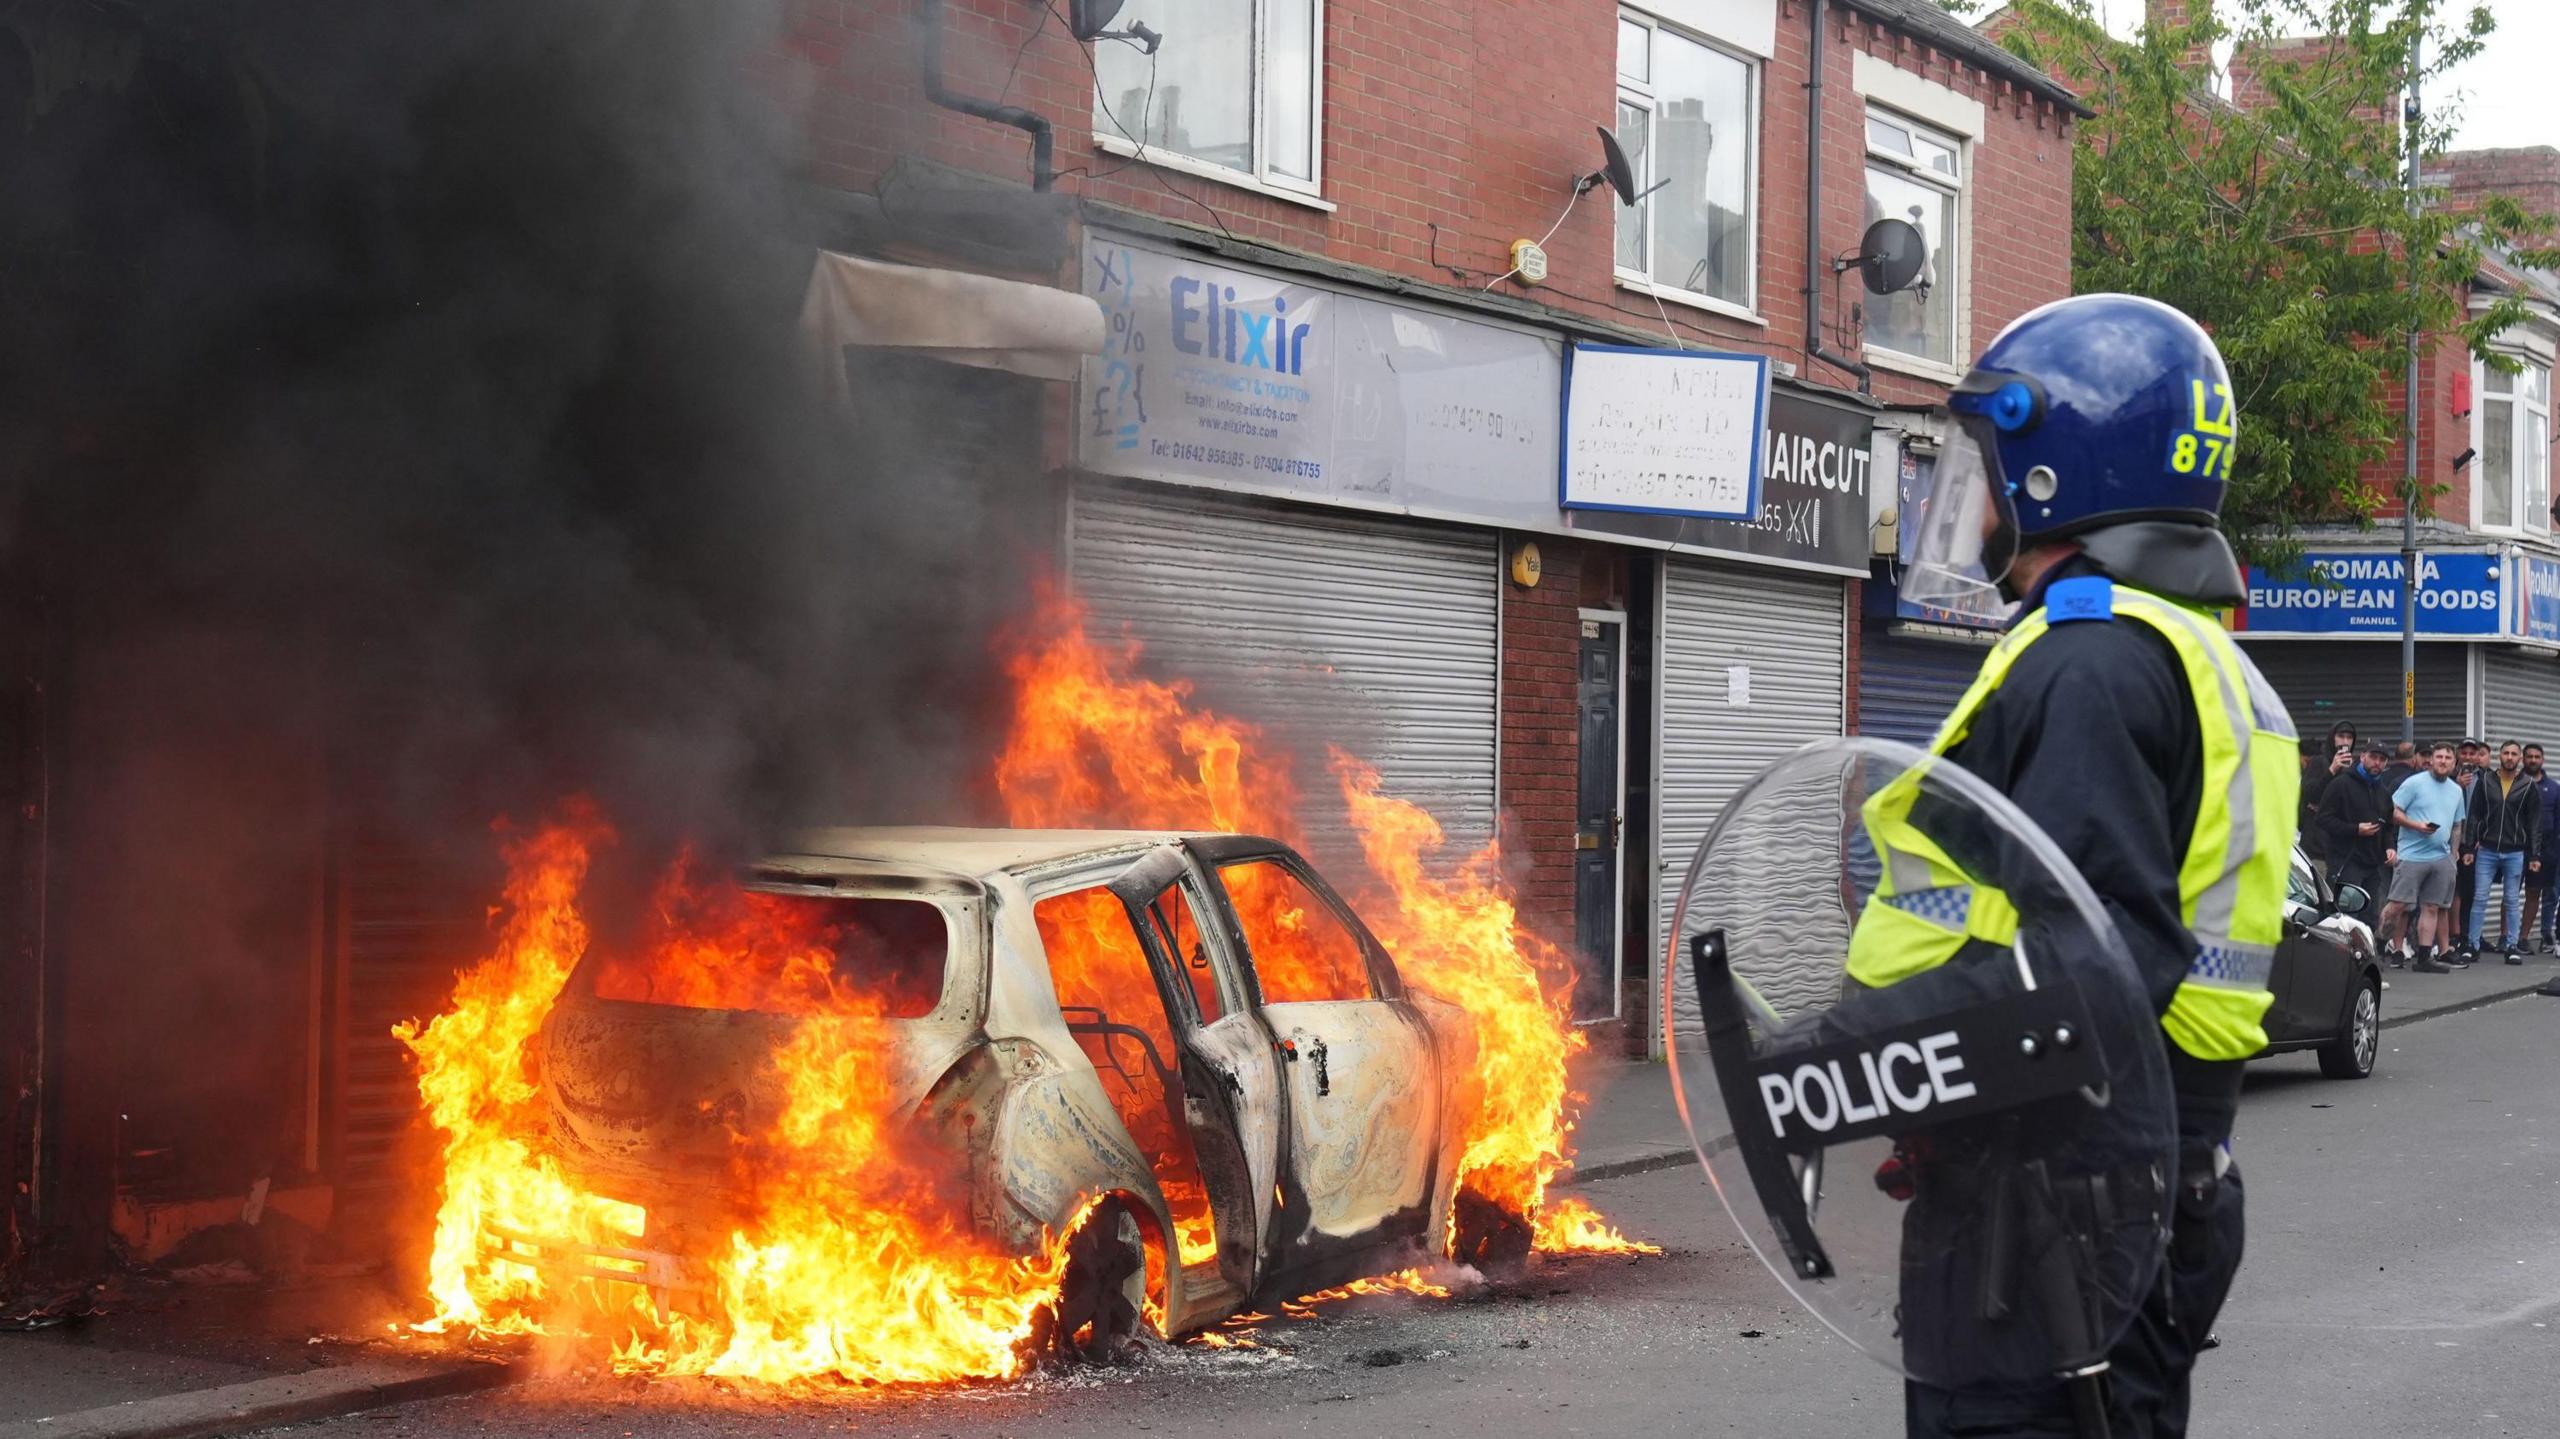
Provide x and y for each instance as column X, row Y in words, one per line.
column 161, row 1360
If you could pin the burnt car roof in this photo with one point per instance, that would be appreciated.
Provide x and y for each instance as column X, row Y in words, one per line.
column 955, row 850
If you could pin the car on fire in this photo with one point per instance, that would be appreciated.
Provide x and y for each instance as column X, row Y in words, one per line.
column 1191, row 1031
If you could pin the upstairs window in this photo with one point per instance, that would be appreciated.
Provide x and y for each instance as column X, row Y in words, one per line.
column 1915, row 173
column 1686, row 117
column 1236, row 89
column 2514, row 485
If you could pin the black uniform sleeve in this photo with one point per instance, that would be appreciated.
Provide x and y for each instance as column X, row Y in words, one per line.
column 2093, row 736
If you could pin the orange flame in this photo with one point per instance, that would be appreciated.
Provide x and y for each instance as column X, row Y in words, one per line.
column 846, row 1261
column 1093, row 743
column 846, row 1253
column 1403, row 1281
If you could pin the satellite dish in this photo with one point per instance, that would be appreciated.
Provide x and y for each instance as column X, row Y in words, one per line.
column 1613, row 165
column 1617, row 170
column 1088, row 19
column 1891, row 256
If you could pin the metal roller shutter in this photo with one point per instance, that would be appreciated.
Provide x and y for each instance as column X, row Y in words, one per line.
column 2520, row 697
column 1723, row 629
column 1907, row 684
column 407, row 921
column 1325, row 628
column 2324, row 681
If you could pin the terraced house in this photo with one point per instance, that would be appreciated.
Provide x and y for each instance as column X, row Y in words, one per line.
column 1405, row 432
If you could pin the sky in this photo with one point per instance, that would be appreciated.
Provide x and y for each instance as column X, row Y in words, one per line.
column 2503, row 91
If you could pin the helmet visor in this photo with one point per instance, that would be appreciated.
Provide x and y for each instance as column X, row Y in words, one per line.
column 1955, row 566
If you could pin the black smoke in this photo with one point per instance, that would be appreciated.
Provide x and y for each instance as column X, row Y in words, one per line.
column 403, row 426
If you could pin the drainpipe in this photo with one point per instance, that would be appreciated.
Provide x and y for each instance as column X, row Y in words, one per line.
column 1814, row 349
column 1029, row 122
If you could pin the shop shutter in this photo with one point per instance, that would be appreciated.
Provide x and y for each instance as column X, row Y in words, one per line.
column 408, row 921
column 1907, row 684
column 2520, row 697
column 1784, row 638
column 1323, row 627
column 2324, row 681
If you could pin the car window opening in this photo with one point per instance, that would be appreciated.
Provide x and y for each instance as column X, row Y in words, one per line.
column 1112, row 1006
column 722, row 947
column 1302, row 950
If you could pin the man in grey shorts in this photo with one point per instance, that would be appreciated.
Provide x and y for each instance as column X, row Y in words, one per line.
column 2429, row 810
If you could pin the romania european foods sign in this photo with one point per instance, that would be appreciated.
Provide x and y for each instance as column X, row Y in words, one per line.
column 2358, row 593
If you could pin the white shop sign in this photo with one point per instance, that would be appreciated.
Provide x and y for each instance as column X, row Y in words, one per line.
column 1664, row 432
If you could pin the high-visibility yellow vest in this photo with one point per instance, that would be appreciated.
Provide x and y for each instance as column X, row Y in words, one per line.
column 2231, row 888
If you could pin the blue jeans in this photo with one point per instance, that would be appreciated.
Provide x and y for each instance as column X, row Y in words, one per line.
column 2504, row 868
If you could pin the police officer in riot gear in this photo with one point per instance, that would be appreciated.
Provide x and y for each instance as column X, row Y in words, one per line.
column 2086, row 461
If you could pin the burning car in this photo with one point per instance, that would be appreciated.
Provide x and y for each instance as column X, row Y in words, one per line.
column 1184, row 1049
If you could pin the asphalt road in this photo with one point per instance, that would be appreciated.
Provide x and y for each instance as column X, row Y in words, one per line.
column 2404, row 1261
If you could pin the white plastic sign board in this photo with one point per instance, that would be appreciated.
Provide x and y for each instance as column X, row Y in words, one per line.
column 1666, row 432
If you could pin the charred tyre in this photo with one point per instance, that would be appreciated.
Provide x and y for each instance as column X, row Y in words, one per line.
column 1100, row 1309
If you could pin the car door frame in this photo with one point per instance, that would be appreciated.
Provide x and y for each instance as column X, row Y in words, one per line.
column 1224, row 1090
column 1294, row 1254
column 2316, row 972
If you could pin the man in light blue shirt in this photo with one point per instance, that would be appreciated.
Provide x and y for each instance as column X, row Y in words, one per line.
column 2429, row 809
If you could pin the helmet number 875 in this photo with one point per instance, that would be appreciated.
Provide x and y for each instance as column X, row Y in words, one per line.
column 2206, row 449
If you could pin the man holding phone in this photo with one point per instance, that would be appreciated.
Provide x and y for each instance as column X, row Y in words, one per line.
column 2319, row 772
column 2354, row 813
column 2429, row 811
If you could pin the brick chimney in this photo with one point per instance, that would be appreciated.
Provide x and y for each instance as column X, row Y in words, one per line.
column 2529, row 176
column 2163, row 14
column 2251, row 63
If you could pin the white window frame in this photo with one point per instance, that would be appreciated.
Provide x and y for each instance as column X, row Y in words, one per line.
column 1956, row 256
column 1640, row 94
column 1261, row 177
column 2518, row 407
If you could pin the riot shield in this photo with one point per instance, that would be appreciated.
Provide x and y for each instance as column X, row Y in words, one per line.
column 1921, row 1071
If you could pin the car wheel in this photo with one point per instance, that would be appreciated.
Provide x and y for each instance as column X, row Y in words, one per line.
column 1489, row 1236
column 1101, row 1297
column 2350, row 1055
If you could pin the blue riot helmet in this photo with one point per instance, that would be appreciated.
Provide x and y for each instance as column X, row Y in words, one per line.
column 2087, row 414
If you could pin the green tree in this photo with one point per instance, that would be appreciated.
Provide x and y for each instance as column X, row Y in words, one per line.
column 2284, row 227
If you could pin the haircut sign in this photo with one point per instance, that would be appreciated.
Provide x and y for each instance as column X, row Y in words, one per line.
column 2359, row 593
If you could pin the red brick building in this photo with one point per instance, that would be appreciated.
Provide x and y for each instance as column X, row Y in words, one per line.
column 2489, row 592
column 1353, row 257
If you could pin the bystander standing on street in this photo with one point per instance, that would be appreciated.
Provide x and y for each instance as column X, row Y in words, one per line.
column 2405, row 761
column 2468, row 762
column 2320, row 768
column 2355, row 815
column 2539, row 908
column 2505, row 831
column 2428, row 809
